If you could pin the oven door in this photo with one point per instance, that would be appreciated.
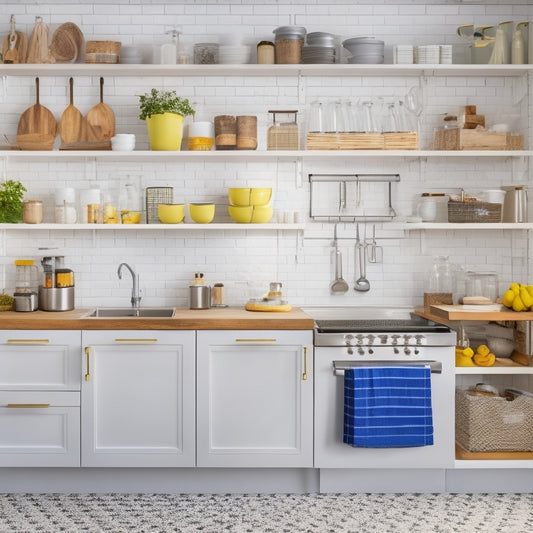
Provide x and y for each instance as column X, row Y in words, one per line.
column 331, row 452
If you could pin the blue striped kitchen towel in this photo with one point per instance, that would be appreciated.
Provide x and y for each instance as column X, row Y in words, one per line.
column 388, row 406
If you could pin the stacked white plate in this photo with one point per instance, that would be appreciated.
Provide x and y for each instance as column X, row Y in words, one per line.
column 234, row 54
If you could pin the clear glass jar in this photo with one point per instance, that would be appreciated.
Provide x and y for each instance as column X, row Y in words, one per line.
column 32, row 211
column 205, row 53
column 283, row 134
column 439, row 283
column 482, row 284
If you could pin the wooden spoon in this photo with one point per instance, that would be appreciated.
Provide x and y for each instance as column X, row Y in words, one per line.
column 100, row 120
column 12, row 56
column 38, row 119
column 70, row 121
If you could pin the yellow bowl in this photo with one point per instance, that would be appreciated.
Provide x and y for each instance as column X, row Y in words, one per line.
column 241, row 213
column 239, row 196
column 130, row 217
column 262, row 214
column 171, row 213
column 260, row 196
column 246, row 196
column 202, row 213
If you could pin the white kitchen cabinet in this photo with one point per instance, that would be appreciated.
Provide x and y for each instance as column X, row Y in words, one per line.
column 254, row 398
column 138, row 398
column 40, row 398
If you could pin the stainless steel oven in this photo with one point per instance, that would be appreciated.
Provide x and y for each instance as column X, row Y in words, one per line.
column 347, row 337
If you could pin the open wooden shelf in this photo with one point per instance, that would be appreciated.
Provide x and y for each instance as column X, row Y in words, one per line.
column 462, row 454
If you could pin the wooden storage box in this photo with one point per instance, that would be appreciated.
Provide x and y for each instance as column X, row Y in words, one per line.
column 492, row 424
column 461, row 139
column 474, row 211
column 102, row 51
column 363, row 141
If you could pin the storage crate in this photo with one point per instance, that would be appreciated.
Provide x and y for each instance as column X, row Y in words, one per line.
column 484, row 423
column 461, row 139
column 363, row 141
column 474, row 211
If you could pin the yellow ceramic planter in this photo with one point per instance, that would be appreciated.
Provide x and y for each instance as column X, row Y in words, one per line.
column 165, row 131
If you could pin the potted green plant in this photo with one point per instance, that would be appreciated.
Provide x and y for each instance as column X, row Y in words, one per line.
column 11, row 195
column 164, row 112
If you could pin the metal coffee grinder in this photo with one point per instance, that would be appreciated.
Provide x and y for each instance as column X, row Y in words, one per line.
column 57, row 291
column 25, row 294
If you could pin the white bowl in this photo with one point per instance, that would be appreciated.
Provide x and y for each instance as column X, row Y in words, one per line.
column 500, row 347
column 123, row 142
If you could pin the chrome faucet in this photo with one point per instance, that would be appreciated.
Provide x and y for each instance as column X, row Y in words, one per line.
column 135, row 296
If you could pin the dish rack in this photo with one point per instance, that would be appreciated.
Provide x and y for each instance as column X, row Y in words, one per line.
column 352, row 197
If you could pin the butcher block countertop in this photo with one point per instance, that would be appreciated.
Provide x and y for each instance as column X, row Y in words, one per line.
column 215, row 318
column 440, row 313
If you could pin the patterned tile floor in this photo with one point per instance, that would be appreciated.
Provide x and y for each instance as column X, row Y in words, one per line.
column 267, row 513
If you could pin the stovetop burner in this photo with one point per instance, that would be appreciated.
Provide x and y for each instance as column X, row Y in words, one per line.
column 416, row 323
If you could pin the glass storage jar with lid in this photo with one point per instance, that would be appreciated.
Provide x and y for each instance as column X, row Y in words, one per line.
column 289, row 43
column 283, row 134
column 440, row 282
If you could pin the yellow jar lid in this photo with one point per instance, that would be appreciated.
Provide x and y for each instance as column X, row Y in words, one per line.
column 24, row 262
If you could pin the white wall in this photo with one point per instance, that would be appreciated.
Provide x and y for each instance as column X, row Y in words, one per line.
column 246, row 261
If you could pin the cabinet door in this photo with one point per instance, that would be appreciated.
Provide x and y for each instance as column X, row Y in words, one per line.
column 40, row 360
column 39, row 428
column 138, row 398
column 255, row 398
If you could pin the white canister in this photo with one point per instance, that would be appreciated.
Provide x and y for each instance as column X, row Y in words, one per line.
column 201, row 129
column 493, row 196
column 430, row 207
column 65, row 211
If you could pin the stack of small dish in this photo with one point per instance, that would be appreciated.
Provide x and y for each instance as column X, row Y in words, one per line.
column 250, row 205
column 320, row 48
column 234, row 54
column 367, row 50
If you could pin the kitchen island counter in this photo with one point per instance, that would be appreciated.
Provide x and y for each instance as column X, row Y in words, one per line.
column 183, row 319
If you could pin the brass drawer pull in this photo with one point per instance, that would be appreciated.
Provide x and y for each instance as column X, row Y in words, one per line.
column 87, row 361
column 255, row 340
column 304, row 375
column 137, row 341
column 28, row 341
column 28, row 405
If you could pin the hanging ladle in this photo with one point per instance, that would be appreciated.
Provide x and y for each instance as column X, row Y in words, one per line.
column 338, row 285
column 361, row 284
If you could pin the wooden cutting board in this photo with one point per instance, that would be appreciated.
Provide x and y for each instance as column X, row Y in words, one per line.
column 100, row 120
column 70, row 122
column 39, row 122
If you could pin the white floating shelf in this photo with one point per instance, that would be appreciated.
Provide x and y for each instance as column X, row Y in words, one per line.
column 231, row 226
column 248, row 70
column 460, row 226
column 250, row 155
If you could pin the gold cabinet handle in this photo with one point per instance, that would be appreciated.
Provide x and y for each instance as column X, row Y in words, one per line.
column 28, row 405
column 255, row 340
column 137, row 341
column 304, row 375
column 87, row 363
column 28, row 341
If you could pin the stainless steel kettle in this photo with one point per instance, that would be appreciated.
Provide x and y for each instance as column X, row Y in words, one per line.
column 515, row 204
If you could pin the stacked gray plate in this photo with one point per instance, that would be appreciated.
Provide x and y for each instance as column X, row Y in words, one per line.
column 320, row 48
column 365, row 50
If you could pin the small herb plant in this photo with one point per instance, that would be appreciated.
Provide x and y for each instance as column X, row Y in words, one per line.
column 159, row 102
column 11, row 195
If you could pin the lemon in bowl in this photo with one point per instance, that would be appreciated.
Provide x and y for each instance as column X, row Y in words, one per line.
column 202, row 213
column 130, row 217
column 171, row 213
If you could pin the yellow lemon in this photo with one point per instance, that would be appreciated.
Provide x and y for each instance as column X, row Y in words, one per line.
column 515, row 288
column 526, row 298
column 508, row 298
column 518, row 305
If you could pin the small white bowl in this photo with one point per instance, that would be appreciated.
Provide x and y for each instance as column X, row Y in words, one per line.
column 123, row 142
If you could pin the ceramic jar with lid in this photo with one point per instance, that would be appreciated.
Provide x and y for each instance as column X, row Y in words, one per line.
column 289, row 43
column 32, row 211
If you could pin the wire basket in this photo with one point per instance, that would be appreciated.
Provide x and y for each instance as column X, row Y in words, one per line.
column 154, row 197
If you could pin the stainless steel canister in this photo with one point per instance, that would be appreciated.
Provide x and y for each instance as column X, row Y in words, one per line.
column 200, row 296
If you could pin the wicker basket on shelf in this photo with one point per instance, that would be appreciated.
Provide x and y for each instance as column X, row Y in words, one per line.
column 474, row 211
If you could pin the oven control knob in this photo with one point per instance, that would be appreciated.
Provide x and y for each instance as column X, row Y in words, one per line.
column 359, row 338
column 407, row 351
column 383, row 338
column 370, row 339
column 406, row 339
column 419, row 339
column 395, row 339
column 348, row 339
column 396, row 351
column 360, row 351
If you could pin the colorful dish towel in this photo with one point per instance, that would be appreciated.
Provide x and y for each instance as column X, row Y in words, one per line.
column 388, row 407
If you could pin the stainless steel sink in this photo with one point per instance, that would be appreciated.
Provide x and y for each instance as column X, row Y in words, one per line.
column 125, row 312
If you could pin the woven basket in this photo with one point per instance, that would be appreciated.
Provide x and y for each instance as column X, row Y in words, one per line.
column 103, row 47
column 493, row 424
column 474, row 212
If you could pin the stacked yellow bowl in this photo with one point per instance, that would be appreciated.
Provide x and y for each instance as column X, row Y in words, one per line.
column 250, row 205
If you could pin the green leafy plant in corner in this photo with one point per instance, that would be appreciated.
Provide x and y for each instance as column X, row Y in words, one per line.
column 11, row 195
column 158, row 102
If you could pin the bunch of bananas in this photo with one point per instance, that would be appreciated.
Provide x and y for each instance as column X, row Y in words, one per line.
column 482, row 356
column 518, row 297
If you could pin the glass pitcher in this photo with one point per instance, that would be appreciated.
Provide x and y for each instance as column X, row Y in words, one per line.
column 439, row 283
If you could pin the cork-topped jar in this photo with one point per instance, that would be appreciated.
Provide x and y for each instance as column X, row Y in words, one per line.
column 289, row 43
